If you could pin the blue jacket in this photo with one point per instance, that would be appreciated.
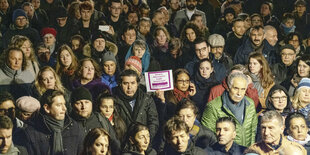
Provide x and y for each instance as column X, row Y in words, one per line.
column 246, row 48
column 145, row 58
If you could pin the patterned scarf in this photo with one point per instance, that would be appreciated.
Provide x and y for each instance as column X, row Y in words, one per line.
column 179, row 95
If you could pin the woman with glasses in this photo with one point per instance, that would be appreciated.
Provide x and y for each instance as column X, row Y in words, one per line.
column 295, row 39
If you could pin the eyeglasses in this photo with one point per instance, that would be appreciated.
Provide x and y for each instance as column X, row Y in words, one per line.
column 183, row 81
column 280, row 97
column 201, row 49
column 5, row 111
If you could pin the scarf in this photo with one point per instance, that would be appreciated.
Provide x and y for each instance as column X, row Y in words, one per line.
column 163, row 48
column 204, row 83
column 301, row 142
column 111, row 118
column 257, row 84
column 237, row 109
column 56, row 127
column 69, row 72
column 179, row 95
column 126, row 98
column 286, row 29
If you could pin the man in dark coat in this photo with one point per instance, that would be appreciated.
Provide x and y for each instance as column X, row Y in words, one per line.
column 255, row 43
column 53, row 131
column 235, row 37
column 133, row 104
column 226, row 133
column 82, row 112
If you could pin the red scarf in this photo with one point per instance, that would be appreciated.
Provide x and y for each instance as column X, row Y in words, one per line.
column 111, row 118
column 179, row 95
column 69, row 72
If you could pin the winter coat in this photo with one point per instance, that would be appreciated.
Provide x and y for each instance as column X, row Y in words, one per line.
column 232, row 44
column 222, row 27
column 246, row 48
column 269, row 106
column 218, row 149
column 204, row 138
column 264, row 149
column 225, row 60
column 145, row 58
column 110, row 81
column 191, row 150
column 246, row 131
column 17, row 82
column 282, row 72
column 38, row 137
column 95, row 87
column 181, row 18
column 218, row 90
column 144, row 111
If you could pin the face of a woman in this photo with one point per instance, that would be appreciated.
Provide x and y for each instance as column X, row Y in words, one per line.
column 303, row 69
column 75, row 44
column 138, row 51
column 109, row 67
column 161, row 37
column 304, row 96
column 254, row 66
column 294, row 41
column 182, row 82
column 49, row 40
column 100, row 146
column 26, row 48
column 279, row 100
column 143, row 139
column 107, row 107
column 65, row 58
column 48, row 79
column 190, row 34
column 298, row 128
column 205, row 69
column 88, row 70
column 188, row 116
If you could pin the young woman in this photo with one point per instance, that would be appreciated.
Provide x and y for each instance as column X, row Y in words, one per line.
column 96, row 142
column 66, row 65
column 106, row 106
column 25, row 45
column 204, row 79
column 138, row 141
column 261, row 75
column 88, row 76
column 77, row 43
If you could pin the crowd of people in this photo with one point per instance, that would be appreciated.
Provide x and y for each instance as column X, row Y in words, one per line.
column 72, row 77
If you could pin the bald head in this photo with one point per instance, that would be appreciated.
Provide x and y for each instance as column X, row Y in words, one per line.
column 271, row 35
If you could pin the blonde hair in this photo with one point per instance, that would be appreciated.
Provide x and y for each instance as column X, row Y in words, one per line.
column 296, row 103
column 18, row 41
column 39, row 84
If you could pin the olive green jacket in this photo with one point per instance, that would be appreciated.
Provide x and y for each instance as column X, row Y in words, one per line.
column 245, row 132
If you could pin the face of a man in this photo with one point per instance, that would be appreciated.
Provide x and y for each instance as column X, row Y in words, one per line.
column 202, row 50
column 129, row 37
column 239, row 28
column 144, row 27
column 133, row 18
column 129, row 85
column 36, row 3
column 288, row 56
column 86, row 14
column 264, row 10
column 217, row 51
column 5, row 140
column 57, row 109
column 225, row 133
column 29, row 11
column 83, row 108
column 15, row 59
column 272, row 37
column 271, row 131
column 229, row 17
column 115, row 9
column 179, row 140
column 300, row 9
column 20, row 22
column 257, row 37
column 4, row 5
column 49, row 40
column 159, row 19
column 99, row 44
column 62, row 21
column 191, row 4
column 7, row 108
column 238, row 89
column 188, row 116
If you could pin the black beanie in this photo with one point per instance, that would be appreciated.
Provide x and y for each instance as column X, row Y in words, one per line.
column 80, row 93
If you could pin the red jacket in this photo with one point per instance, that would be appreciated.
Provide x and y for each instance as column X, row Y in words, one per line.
column 218, row 90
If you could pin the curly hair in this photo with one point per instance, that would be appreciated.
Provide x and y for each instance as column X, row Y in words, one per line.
column 194, row 27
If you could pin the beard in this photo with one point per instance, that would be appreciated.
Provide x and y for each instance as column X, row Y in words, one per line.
column 191, row 7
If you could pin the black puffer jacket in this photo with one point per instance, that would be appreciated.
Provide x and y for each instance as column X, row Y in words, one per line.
column 38, row 137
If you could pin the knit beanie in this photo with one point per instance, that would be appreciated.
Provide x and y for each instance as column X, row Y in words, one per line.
column 28, row 104
column 80, row 93
column 305, row 82
column 97, row 35
column 108, row 56
column 48, row 30
column 229, row 10
column 216, row 40
column 17, row 13
column 61, row 12
column 135, row 62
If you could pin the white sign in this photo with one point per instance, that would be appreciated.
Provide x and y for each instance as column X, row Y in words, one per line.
column 159, row 80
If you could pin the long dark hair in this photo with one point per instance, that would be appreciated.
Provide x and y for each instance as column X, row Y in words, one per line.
column 90, row 139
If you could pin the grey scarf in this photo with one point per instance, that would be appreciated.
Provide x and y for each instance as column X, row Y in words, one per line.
column 237, row 109
column 56, row 126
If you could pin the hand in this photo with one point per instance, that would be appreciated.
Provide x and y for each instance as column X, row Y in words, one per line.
column 192, row 89
column 111, row 30
column 161, row 95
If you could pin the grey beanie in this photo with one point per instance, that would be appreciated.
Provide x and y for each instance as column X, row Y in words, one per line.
column 216, row 40
column 108, row 56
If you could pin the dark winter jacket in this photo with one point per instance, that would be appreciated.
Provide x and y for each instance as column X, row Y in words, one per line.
column 218, row 149
column 282, row 72
column 246, row 48
column 144, row 110
column 232, row 44
column 191, row 150
column 38, row 137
